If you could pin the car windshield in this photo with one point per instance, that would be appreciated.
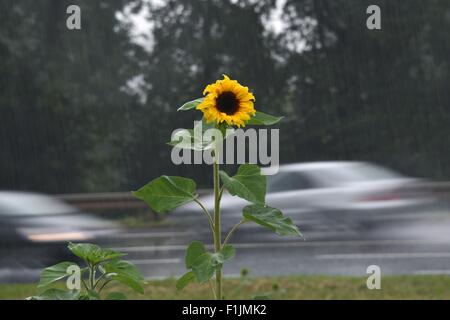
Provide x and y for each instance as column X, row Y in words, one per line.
column 20, row 204
column 352, row 173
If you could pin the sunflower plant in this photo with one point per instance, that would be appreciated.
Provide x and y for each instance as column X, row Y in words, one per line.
column 226, row 104
column 101, row 267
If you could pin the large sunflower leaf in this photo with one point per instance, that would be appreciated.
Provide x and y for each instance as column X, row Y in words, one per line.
column 116, row 296
column 205, row 264
column 227, row 253
column 194, row 250
column 54, row 273
column 186, row 139
column 248, row 183
column 185, row 280
column 166, row 193
column 271, row 218
column 57, row 294
column 263, row 119
column 126, row 273
column 193, row 139
column 92, row 253
column 190, row 105
column 204, row 267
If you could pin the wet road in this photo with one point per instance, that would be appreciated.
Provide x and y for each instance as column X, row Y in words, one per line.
column 406, row 243
column 410, row 242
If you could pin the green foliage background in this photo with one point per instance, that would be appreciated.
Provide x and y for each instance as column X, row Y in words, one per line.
column 70, row 123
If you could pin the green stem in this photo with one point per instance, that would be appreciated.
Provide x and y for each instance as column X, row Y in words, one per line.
column 217, row 230
column 91, row 276
column 212, row 289
column 233, row 230
column 104, row 284
column 85, row 285
column 221, row 193
column 98, row 280
column 207, row 214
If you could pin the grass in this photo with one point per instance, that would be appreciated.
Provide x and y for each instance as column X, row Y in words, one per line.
column 289, row 287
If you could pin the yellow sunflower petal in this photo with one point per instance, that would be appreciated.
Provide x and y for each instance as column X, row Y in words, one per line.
column 227, row 101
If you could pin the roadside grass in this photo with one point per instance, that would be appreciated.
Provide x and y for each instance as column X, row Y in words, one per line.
column 288, row 287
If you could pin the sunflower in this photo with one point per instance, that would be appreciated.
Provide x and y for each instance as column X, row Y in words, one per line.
column 227, row 101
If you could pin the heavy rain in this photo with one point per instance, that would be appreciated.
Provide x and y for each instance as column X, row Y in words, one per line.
column 88, row 104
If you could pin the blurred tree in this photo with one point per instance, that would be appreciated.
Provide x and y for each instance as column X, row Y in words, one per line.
column 90, row 110
column 375, row 95
column 194, row 43
column 62, row 98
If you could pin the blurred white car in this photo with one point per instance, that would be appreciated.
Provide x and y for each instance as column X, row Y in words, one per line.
column 343, row 186
column 33, row 217
column 35, row 229
column 336, row 186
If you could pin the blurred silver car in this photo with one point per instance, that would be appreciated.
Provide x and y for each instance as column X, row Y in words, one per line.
column 35, row 227
column 356, row 186
column 336, row 186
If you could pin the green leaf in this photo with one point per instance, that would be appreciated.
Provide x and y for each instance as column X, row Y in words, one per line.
column 192, row 139
column 204, row 267
column 93, row 295
column 202, row 263
column 227, row 253
column 54, row 273
column 166, row 193
column 247, row 184
column 56, row 294
column 263, row 119
column 92, row 253
column 271, row 218
column 185, row 280
column 194, row 250
column 116, row 296
column 186, row 139
column 126, row 273
column 190, row 105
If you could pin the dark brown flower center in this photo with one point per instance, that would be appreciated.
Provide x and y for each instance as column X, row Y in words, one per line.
column 227, row 103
